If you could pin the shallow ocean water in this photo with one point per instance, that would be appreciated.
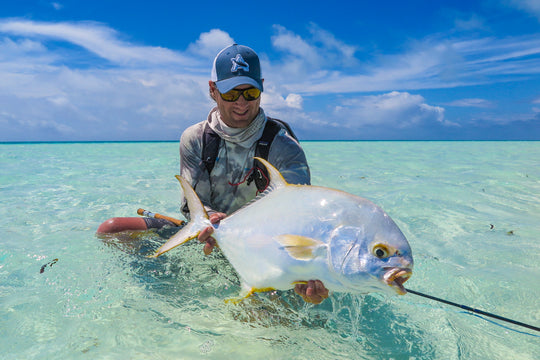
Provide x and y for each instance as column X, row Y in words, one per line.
column 470, row 210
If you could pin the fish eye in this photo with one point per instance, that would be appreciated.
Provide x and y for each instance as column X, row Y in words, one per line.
column 381, row 251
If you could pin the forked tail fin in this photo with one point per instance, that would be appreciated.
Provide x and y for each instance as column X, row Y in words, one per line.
column 199, row 220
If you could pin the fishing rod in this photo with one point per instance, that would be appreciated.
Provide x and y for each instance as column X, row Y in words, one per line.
column 147, row 213
column 467, row 308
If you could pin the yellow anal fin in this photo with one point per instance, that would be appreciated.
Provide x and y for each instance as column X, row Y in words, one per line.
column 301, row 247
column 254, row 290
column 250, row 292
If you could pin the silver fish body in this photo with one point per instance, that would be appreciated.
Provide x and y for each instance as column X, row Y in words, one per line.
column 295, row 233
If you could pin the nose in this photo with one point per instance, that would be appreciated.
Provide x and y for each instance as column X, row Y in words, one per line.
column 241, row 100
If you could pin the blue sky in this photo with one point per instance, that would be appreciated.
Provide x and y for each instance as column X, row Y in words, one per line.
column 395, row 70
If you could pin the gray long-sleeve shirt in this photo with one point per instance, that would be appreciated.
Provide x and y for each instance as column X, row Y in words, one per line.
column 224, row 190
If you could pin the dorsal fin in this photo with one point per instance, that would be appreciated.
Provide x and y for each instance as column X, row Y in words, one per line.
column 276, row 179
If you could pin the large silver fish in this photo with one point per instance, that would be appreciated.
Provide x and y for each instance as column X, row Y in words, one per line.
column 294, row 233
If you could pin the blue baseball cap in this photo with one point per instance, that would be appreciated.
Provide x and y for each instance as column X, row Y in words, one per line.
column 236, row 65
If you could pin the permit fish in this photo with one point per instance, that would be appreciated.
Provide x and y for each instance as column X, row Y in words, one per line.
column 293, row 233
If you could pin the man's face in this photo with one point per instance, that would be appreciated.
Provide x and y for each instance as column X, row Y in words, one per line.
column 239, row 113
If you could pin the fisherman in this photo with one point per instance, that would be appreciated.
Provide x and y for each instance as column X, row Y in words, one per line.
column 216, row 155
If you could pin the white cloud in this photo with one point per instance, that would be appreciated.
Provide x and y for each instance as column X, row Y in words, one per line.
column 44, row 97
column 75, row 104
column 95, row 38
column 536, row 109
column 295, row 46
column 345, row 53
column 394, row 109
column 294, row 101
column 435, row 62
column 210, row 43
column 144, row 92
column 290, row 107
column 530, row 6
column 308, row 59
column 473, row 22
column 478, row 103
column 19, row 47
column 278, row 102
column 57, row 5
column 502, row 119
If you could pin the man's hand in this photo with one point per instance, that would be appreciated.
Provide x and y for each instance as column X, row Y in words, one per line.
column 313, row 292
column 205, row 235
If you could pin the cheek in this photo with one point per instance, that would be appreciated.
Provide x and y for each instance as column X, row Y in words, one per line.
column 222, row 105
column 255, row 106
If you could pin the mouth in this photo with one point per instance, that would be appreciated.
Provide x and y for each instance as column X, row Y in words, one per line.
column 396, row 277
column 241, row 112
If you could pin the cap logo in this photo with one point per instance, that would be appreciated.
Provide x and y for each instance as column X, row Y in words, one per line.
column 239, row 64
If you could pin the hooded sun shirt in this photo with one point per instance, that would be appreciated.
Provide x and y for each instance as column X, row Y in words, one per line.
column 244, row 137
column 225, row 189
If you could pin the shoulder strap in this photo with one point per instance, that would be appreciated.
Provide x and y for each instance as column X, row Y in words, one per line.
column 286, row 126
column 211, row 141
column 271, row 129
column 210, row 147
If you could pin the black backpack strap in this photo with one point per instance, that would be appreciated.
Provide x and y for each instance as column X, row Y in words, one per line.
column 210, row 147
column 211, row 142
column 285, row 125
column 271, row 129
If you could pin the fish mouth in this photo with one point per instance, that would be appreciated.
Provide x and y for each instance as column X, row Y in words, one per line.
column 396, row 277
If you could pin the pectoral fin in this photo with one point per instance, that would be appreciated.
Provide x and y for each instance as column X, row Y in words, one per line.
column 301, row 247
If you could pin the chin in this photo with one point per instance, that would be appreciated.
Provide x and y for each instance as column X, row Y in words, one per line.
column 241, row 123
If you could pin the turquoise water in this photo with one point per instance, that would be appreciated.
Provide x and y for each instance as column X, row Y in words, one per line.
column 471, row 212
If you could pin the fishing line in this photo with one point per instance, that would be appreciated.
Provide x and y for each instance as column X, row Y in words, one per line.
column 501, row 325
column 476, row 311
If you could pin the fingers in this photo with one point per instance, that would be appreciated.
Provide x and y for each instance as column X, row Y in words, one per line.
column 310, row 289
column 300, row 289
column 209, row 246
column 313, row 291
column 205, row 237
column 217, row 217
column 206, row 234
column 320, row 290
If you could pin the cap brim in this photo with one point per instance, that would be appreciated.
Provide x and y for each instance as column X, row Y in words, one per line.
column 229, row 84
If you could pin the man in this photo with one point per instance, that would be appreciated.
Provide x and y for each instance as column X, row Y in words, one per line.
column 225, row 181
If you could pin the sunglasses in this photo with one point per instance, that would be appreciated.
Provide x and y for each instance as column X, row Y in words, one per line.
column 249, row 94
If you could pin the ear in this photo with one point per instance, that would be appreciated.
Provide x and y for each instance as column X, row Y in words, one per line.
column 212, row 89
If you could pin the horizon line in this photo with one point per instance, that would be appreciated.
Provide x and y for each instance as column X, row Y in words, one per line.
column 313, row 140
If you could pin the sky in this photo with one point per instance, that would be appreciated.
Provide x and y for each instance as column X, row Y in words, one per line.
column 107, row 70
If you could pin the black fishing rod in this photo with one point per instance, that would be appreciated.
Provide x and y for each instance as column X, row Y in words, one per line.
column 467, row 308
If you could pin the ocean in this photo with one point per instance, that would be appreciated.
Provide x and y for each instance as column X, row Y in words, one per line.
column 470, row 210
